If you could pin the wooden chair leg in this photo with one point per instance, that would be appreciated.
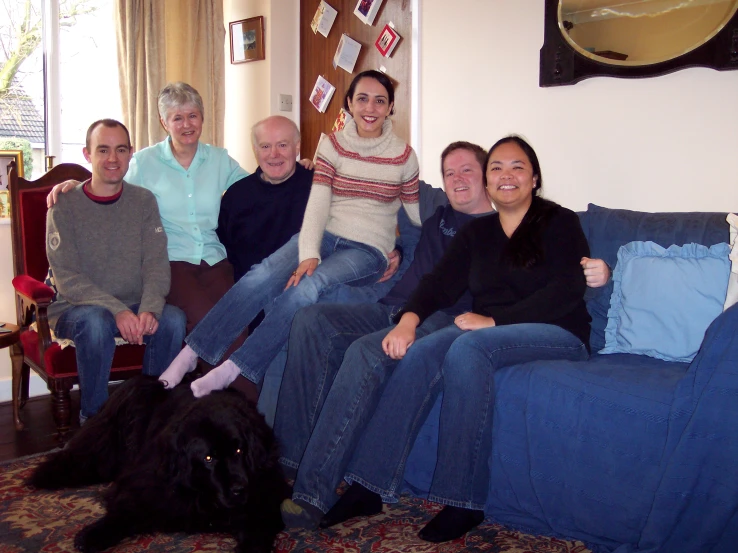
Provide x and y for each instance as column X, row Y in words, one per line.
column 61, row 406
column 16, row 360
column 25, row 383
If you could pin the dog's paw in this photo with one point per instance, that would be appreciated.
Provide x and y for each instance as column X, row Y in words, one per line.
column 46, row 477
column 92, row 538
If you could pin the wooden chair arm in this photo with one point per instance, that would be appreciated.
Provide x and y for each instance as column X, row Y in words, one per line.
column 25, row 307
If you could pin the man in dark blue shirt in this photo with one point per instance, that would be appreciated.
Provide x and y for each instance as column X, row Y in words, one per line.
column 261, row 212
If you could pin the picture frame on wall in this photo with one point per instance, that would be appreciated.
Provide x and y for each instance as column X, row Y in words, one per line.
column 6, row 158
column 366, row 10
column 247, row 40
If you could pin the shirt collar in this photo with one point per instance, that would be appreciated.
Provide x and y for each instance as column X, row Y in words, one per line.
column 167, row 155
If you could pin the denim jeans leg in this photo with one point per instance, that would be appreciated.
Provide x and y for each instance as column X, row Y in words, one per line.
column 231, row 315
column 163, row 346
column 270, row 386
column 347, row 410
column 344, row 262
column 93, row 331
column 461, row 477
column 379, row 460
column 319, row 338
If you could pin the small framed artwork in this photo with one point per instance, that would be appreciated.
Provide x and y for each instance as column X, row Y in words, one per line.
column 247, row 40
column 387, row 40
column 6, row 158
column 366, row 10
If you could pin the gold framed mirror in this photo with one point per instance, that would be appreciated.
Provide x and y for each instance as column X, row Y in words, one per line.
column 636, row 38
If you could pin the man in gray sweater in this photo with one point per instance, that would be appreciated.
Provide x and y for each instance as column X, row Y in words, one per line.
column 107, row 253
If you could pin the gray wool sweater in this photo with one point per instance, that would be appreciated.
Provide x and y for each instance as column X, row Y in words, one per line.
column 113, row 255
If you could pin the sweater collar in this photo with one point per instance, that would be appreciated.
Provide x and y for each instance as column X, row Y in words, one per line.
column 366, row 147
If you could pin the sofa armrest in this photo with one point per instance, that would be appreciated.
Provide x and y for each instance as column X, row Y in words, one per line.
column 697, row 489
column 719, row 347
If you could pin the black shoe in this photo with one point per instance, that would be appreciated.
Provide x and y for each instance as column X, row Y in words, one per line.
column 356, row 502
column 451, row 523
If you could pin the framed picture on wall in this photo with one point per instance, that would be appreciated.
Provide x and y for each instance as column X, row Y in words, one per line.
column 6, row 158
column 247, row 40
column 366, row 10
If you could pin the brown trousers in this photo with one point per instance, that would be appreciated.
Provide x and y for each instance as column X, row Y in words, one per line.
column 195, row 290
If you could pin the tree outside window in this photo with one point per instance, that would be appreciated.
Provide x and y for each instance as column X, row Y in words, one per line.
column 86, row 90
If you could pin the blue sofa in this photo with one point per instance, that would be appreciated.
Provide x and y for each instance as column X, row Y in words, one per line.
column 624, row 452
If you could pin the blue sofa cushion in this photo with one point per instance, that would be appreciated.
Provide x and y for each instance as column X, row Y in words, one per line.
column 665, row 298
column 608, row 229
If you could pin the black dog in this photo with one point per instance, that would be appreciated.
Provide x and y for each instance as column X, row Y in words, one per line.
column 178, row 464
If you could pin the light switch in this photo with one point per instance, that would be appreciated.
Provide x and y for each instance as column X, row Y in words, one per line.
column 285, row 102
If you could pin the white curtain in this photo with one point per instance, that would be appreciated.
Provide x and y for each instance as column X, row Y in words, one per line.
column 160, row 41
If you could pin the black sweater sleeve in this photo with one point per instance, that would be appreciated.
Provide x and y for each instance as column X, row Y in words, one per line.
column 447, row 282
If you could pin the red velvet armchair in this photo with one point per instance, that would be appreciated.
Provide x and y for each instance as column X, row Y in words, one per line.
column 58, row 367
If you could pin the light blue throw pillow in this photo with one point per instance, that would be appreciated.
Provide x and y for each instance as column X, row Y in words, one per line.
column 664, row 299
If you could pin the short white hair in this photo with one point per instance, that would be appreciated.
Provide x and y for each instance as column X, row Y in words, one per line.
column 176, row 95
column 274, row 118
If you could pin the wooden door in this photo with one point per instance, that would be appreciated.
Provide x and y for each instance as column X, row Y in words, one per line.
column 316, row 58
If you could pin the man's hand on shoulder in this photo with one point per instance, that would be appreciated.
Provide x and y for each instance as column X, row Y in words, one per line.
column 128, row 326
column 63, row 187
column 596, row 272
column 307, row 164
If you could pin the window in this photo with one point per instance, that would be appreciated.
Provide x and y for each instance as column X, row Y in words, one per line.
column 58, row 73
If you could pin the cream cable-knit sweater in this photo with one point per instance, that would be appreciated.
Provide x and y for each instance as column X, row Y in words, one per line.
column 358, row 186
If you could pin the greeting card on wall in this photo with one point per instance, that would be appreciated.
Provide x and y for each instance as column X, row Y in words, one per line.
column 323, row 20
column 366, row 10
column 322, row 93
column 340, row 120
column 387, row 40
column 347, row 53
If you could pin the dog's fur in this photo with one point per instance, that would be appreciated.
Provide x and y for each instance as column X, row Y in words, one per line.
column 177, row 463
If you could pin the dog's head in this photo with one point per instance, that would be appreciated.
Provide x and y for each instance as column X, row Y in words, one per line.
column 218, row 447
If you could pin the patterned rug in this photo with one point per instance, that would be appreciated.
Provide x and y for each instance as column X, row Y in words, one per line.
column 34, row 521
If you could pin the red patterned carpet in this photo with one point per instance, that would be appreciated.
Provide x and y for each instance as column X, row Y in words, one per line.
column 33, row 521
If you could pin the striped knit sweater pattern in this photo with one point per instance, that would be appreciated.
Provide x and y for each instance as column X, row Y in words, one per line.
column 358, row 186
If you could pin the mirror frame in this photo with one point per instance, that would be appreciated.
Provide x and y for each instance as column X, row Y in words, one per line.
column 561, row 64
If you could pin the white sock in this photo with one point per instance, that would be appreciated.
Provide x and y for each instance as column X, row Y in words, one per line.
column 217, row 379
column 185, row 362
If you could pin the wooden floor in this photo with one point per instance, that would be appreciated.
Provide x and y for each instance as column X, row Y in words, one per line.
column 40, row 432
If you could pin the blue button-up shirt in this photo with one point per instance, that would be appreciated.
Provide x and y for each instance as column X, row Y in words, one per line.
column 189, row 199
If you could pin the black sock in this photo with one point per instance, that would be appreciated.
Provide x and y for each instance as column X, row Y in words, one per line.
column 357, row 501
column 451, row 523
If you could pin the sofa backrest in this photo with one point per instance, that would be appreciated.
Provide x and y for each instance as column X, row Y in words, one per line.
column 608, row 229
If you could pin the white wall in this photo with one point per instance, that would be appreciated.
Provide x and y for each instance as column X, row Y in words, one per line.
column 661, row 144
column 252, row 89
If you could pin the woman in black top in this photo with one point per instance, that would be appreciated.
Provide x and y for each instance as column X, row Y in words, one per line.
column 522, row 267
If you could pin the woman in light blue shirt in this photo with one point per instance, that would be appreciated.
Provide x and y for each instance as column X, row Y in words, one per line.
column 188, row 179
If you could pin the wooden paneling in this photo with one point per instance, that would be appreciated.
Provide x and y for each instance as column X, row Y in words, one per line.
column 316, row 58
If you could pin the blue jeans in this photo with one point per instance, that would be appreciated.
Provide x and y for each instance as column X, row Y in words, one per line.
column 465, row 375
column 341, row 294
column 93, row 331
column 343, row 262
column 328, row 397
